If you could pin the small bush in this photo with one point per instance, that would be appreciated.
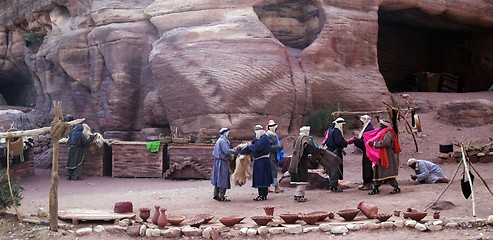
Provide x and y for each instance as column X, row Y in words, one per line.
column 32, row 38
column 5, row 198
column 319, row 121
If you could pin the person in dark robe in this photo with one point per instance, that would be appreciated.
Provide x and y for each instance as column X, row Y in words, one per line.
column 386, row 163
column 79, row 138
column 220, row 170
column 275, row 157
column 366, row 165
column 259, row 150
column 336, row 143
column 298, row 167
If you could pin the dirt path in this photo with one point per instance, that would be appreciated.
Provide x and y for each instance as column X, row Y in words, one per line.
column 194, row 197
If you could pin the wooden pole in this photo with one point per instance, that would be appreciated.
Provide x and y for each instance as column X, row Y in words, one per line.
column 56, row 131
column 37, row 131
column 448, row 185
column 466, row 168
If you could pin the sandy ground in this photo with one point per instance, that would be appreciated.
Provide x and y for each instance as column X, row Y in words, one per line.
column 194, row 197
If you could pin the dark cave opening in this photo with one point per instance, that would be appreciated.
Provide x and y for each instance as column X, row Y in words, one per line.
column 16, row 91
column 418, row 52
column 295, row 24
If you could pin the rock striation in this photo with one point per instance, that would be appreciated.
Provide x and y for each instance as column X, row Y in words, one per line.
column 186, row 65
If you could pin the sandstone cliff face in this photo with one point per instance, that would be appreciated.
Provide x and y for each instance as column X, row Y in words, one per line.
column 186, row 65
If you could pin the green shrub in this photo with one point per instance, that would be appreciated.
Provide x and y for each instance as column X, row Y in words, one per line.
column 5, row 197
column 319, row 121
column 32, row 38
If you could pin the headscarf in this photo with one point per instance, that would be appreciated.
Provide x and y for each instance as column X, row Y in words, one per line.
column 272, row 126
column 224, row 134
column 339, row 124
column 305, row 131
column 384, row 122
column 412, row 161
column 365, row 119
column 75, row 133
column 259, row 131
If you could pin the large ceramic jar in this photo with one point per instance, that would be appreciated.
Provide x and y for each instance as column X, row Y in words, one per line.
column 156, row 214
column 370, row 210
column 162, row 220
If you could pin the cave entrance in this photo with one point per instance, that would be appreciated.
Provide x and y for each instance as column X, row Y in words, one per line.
column 419, row 52
column 16, row 90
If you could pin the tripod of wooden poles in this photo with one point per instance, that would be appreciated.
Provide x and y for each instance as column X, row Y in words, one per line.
column 464, row 161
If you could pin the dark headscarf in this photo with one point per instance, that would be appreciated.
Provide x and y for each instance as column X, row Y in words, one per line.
column 75, row 133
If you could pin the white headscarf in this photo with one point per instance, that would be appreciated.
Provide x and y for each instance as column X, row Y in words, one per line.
column 305, row 131
column 411, row 161
column 365, row 119
column 259, row 131
column 271, row 127
column 339, row 124
column 224, row 134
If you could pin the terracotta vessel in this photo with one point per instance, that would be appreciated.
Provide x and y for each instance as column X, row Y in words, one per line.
column 397, row 213
column 156, row 214
column 348, row 214
column 175, row 220
column 269, row 210
column 207, row 217
column 231, row 220
column 416, row 216
column 436, row 215
column 368, row 209
column 162, row 220
column 144, row 213
column 309, row 218
column 382, row 217
column 289, row 218
column 262, row 220
column 196, row 222
column 321, row 215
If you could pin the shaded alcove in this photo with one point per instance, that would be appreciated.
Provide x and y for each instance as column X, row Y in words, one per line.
column 296, row 24
column 17, row 90
column 419, row 52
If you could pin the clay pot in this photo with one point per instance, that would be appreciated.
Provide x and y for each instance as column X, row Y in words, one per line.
column 144, row 213
column 162, row 220
column 436, row 215
column 269, row 210
column 348, row 214
column 321, row 215
column 397, row 213
column 207, row 217
column 289, row 218
column 309, row 218
column 262, row 220
column 123, row 207
column 156, row 214
column 231, row 220
column 175, row 220
column 369, row 210
column 382, row 217
column 416, row 216
column 196, row 222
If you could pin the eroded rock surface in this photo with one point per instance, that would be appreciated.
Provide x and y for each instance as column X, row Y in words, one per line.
column 130, row 65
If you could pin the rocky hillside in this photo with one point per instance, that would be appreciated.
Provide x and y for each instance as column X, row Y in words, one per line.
column 137, row 66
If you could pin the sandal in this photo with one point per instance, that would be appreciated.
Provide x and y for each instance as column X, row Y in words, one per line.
column 374, row 191
column 260, row 198
column 335, row 189
column 300, row 199
column 396, row 190
column 278, row 191
column 223, row 199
